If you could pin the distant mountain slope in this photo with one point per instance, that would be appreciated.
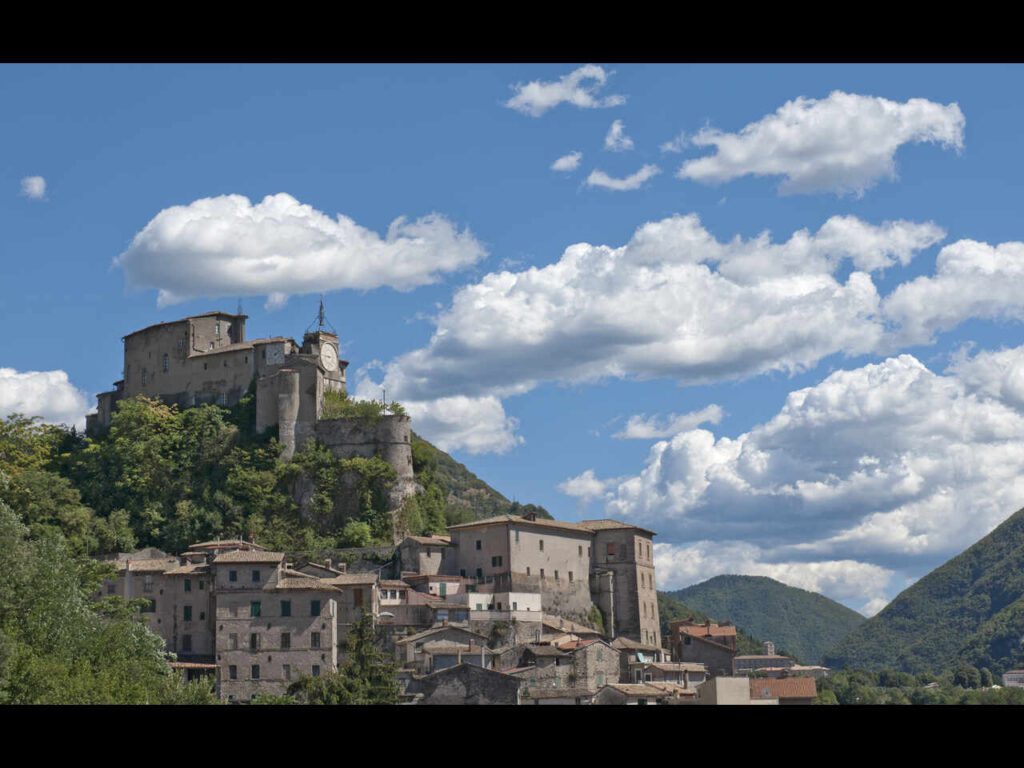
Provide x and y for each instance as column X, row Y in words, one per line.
column 969, row 610
column 804, row 624
column 670, row 609
column 467, row 496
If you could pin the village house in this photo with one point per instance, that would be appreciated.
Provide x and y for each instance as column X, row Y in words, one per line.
column 707, row 643
column 786, row 690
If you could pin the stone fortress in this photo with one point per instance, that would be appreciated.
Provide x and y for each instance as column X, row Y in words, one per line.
column 207, row 359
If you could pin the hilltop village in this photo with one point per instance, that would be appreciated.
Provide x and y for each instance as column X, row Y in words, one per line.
column 504, row 610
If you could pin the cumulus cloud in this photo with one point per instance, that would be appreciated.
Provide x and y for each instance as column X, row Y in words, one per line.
column 47, row 394
column 971, row 279
column 617, row 140
column 568, row 162
column 585, row 486
column 843, row 143
column 884, row 468
column 33, row 187
column 640, row 427
column 672, row 302
column 228, row 246
column 599, row 178
column 579, row 88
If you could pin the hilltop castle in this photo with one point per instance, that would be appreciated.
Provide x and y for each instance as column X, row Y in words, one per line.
column 207, row 359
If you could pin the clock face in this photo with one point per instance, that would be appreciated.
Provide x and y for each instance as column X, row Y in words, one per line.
column 329, row 357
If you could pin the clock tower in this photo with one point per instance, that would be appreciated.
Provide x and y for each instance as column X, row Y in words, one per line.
column 322, row 345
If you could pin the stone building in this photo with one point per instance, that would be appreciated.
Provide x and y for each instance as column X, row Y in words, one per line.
column 207, row 359
column 467, row 684
column 234, row 605
column 707, row 643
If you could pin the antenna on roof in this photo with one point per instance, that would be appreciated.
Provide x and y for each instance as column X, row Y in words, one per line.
column 320, row 321
column 239, row 310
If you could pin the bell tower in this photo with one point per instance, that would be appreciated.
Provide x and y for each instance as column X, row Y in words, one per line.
column 321, row 342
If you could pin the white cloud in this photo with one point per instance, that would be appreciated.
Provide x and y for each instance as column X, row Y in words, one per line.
column 598, row 178
column 585, row 486
column 617, row 140
column 676, row 144
column 47, row 394
column 33, row 187
column 640, row 427
column 227, row 246
column 579, row 88
column 861, row 584
column 888, row 466
column 568, row 162
column 672, row 302
column 971, row 279
column 843, row 143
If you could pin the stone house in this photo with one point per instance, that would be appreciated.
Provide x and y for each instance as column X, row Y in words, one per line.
column 467, row 684
column 409, row 649
column 707, row 643
column 686, row 674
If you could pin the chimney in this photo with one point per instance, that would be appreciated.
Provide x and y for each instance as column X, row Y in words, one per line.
column 328, row 563
column 769, row 648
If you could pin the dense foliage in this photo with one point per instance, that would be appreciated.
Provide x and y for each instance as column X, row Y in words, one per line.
column 805, row 623
column 461, row 495
column 968, row 611
column 58, row 645
column 367, row 677
column 963, row 685
column 339, row 406
column 671, row 609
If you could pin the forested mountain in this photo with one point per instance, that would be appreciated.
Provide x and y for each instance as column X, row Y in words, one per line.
column 804, row 624
column 671, row 609
column 969, row 611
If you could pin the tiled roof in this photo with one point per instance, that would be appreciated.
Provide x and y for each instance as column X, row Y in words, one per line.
column 271, row 340
column 223, row 543
column 678, row 666
column 545, row 650
column 635, row 689
column 448, row 646
column 673, row 688
column 703, row 630
column 150, row 566
column 352, row 579
column 303, row 582
column 188, row 569
column 625, row 643
column 506, row 519
column 783, row 688
column 394, row 584
column 252, row 556
column 557, row 693
column 436, row 541
column 434, row 631
column 611, row 525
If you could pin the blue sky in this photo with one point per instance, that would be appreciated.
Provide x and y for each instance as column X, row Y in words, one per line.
column 886, row 467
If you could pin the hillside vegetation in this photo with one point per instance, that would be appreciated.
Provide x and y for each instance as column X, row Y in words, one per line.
column 671, row 609
column 804, row 624
column 969, row 611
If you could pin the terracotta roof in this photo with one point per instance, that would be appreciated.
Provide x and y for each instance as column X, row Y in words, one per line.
column 575, row 645
column 248, row 556
column 703, row 630
column 436, row 541
column 783, row 688
column 545, row 650
column 677, row 666
column 394, row 584
column 611, row 525
column 303, row 582
column 515, row 519
column 635, row 689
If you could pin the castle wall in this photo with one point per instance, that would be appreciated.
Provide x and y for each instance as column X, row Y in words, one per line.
column 389, row 437
column 628, row 555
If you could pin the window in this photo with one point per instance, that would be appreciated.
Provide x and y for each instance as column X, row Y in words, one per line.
column 149, row 607
column 181, row 344
column 202, row 584
column 286, row 607
column 556, row 575
column 111, row 587
column 316, row 670
column 188, row 613
column 188, row 585
column 462, row 572
column 255, row 575
column 479, row 606
column 233, row 641
column 600, row 679
column 527, row 570
column 286, row 641
column 515, row 606
column 211, row 347
column 232, row 672
column 314, row 639
column 610, row 551
column 255, row 674
column 517, row 537
column 541, row 542
column 232, row 575
column 218, row 329
column 145, row 377
column 479, row 573
column 570, row 577
column 147, row 583
column 588, row 551
column 542, row 573
column 479, row 544
column 254, row 608
column 357, row 600
column 286, row 669
column 581, row 550
column 496, row 561
column 254, row 641
column 186, row 643
column 167, row 363
column 314, row 605
column 648, row 551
